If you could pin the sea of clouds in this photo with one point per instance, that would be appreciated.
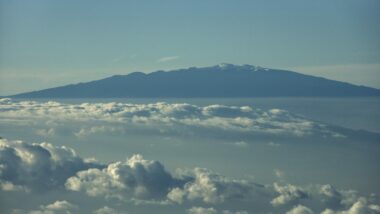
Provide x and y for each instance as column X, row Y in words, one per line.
column 34, row 169
column 55, row 179
column 93, row 118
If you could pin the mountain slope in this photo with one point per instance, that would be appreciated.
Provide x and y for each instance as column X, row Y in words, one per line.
column 224, row 80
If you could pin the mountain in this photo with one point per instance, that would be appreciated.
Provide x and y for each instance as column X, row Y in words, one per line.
column 224, row 80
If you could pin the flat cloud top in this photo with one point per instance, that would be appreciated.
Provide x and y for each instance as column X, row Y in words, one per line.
column 169, row 117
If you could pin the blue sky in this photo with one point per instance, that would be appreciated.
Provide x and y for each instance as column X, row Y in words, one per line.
column 47, row 43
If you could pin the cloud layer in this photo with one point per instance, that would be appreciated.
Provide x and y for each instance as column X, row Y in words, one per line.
column 52, row 177
column 42, row 168
column 162, row 118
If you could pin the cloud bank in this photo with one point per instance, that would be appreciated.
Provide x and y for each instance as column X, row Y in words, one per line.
column 93, row 118
column 42, row 168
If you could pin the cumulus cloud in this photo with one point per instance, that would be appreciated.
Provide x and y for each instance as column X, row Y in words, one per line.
column 44, row 167
column 56, row 207
column 332, row 197
column 9, row 186
column 338, row 199
column 60, row 205
column 37, row 166
column 359, row 207
column 148, row 180
column 300, row 209
column 25, row 168
column 232, row 212
column 136, row 177
column 210, row 187
column 163, row 116
column 201, row 210
column 107, row 210
column 211, row 210
column 288, row 194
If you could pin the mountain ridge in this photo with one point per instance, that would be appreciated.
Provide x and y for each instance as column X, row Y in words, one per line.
column 223, row 80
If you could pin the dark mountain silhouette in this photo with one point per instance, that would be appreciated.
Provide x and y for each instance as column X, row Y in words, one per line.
column 223, row 80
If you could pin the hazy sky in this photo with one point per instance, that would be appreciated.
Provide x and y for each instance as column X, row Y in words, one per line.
column 46, row 43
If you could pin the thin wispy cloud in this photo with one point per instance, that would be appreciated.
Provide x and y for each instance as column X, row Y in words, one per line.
column 167, row 59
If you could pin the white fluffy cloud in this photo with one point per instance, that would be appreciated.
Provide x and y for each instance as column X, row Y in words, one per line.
column 37, row 166
column 166, row 116
column 361, row 206
column 55, row 208
column 211, row 210
column 44, row 167
column 136, row 177
column 213, row 188
column 288, row 194
column 107, row 210
column 9, row 186
column 148, row 180
column 201, row 210
column 300, row 209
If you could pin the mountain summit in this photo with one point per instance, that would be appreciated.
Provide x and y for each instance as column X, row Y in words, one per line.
column 223, row 80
